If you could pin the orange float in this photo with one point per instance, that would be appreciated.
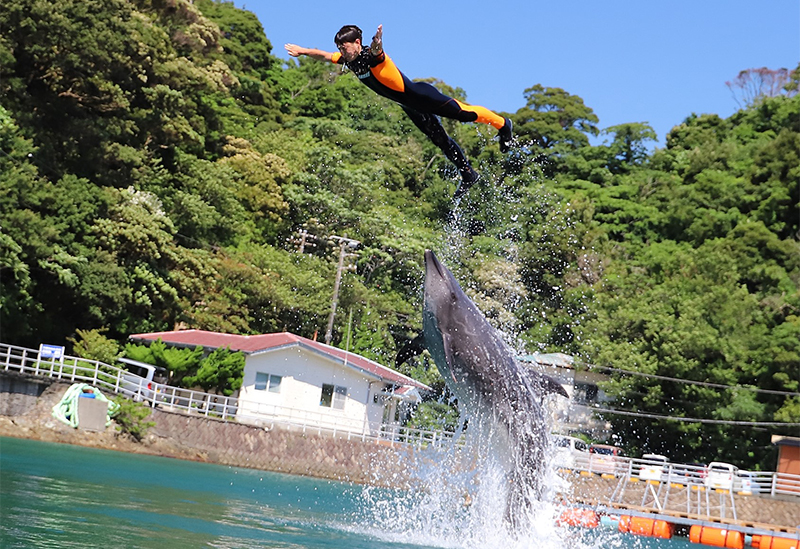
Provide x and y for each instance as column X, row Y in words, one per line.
column 718, row 537
column 642, row 526
column 772, row 542
column 579, row 517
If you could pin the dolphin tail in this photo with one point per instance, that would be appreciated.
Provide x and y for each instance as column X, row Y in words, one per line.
column 411, row 349
column 524, row 480
column 519, row 501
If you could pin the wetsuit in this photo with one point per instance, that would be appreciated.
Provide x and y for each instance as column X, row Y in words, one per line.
column 422, row 102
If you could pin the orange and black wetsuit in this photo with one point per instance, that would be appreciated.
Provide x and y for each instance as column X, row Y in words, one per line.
column 422, row 102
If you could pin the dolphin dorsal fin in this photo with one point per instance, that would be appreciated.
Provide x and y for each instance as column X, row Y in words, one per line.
column 411, row 349
column 544, row 384
column 550, row 385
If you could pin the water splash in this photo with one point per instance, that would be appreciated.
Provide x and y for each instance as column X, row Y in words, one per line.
column 458, row 501
column 460, row 495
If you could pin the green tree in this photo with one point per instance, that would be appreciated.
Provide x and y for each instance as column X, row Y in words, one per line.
column 179, row 362
column 132, row 418
column 629, row 146
column 19, row 179
column 155, row 161
column 222, row 371
column 553, row 124
column 685, row 315
column 93, row 345
column 434, row 416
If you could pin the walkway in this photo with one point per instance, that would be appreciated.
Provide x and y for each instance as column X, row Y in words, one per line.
column 686, row 502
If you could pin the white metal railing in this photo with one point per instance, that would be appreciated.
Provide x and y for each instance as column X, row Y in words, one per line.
column 120, row 381
column 757, row 483
column 117, row 380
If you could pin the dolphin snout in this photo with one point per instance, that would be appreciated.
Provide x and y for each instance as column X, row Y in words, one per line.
column 432, row 264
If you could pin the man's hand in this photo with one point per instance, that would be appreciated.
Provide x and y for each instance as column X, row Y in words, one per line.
column 294, row 50
column 377, row 42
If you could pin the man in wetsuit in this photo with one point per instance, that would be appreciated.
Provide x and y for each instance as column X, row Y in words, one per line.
column 422, row 102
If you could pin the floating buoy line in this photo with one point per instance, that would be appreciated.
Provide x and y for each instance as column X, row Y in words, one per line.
column 657, row 527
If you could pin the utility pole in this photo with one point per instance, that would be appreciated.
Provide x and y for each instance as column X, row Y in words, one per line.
column 302, row 240
column 344, row 244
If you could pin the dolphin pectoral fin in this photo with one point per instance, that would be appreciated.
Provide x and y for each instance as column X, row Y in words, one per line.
column 411, row 349
column 448, row 356
column 448, row 350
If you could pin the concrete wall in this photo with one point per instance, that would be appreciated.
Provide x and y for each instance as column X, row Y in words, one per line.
column 282, row 450
column 19, row 395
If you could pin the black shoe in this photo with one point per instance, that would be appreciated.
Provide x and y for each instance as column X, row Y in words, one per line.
column 505, row 136
column 468, row 179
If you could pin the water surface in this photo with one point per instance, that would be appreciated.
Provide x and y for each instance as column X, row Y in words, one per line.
column 62, row 496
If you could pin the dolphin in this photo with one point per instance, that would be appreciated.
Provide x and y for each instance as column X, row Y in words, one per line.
column 482, row 371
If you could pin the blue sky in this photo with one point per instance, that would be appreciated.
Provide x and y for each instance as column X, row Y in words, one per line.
column 631, row 61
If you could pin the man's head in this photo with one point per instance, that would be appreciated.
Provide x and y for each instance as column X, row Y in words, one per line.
column 348, row 41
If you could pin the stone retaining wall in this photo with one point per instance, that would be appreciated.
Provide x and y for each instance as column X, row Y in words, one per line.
column 282, row 450
column 25, row 412
column 19, row 395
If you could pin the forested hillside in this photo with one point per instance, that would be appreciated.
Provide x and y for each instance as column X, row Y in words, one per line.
column 158, row 164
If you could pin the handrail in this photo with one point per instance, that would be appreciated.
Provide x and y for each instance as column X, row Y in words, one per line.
column 757, row 483
column 119, row 381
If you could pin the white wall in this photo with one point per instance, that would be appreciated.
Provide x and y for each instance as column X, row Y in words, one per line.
column 303, row 373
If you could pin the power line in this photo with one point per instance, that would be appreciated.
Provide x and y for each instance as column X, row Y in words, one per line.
column 692, row 382
column 696, row 420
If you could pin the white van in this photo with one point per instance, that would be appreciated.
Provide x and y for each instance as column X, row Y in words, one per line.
column 721, row 475
column 567, row 449
column 605, row 458
column 140, row 381
column 653, row 467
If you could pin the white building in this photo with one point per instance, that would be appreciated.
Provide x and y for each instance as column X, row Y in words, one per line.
column 292, row 379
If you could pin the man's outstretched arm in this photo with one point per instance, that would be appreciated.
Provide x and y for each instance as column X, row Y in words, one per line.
column 296, row 51
column 376, row 48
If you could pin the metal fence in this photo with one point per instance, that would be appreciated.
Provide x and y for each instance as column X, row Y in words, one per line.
column 122, row 382
column 758, row 483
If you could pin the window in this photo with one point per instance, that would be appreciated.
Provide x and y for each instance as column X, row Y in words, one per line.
column 333, row 396
column 268, row 382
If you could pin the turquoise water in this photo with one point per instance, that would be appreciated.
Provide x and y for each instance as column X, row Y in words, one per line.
column 63, row 496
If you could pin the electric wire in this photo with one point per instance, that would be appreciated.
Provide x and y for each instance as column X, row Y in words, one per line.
column 692, row 382
column 696, row 420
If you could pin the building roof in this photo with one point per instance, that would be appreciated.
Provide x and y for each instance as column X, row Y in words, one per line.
column 255, row 344
column 559, row 360
column 782, row 440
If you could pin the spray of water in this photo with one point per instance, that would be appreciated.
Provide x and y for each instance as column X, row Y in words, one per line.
column 460, row 496
column 459, row 501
